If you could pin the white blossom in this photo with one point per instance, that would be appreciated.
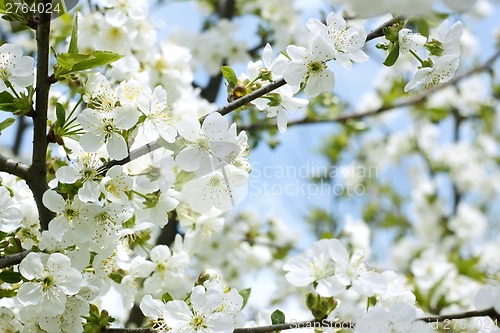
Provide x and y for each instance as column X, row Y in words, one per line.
column 10, row 217
column 15, row 68
column 309, row 67
column 345, row 42
column 51, row 280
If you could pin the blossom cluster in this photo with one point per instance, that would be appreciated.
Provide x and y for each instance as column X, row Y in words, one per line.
column 109, row 206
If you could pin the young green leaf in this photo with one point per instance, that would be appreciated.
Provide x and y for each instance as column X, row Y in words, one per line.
column 97, row 59
column 245, row 293
column 60, row 114
column 10, row 276
column 393, row 55
column 277, row 317
column 230, row 75
column 166, row 298
column 6, row 123
column 7, row 102
column 73, row 43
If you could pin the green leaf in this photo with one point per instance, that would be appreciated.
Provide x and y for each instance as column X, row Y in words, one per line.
column 10, row 276
column 7, row 293
column 245, row 293
column 73, row 43
column 423, row 27
column 277, row 317
column 230, row 75
column 116, row 277
column 6, row 97
column 6, row 123
column 75, row 62
column 97, row 59
column 166, row 298
column 68, row 60
column 7, row 102
column 61, row 115
column 393, row 55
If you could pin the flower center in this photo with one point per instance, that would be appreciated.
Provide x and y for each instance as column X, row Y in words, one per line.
column 316, row 66
column 198, row 322
column 4, row 74
column 215, row 181
column 47, row 282
column 70, row 213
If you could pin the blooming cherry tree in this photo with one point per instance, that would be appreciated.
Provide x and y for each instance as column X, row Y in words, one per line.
column 127, row 217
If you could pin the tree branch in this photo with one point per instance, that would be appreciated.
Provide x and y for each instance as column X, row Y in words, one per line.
column 316, row 323
column 13, row 259
column 415, row 99
column 14, row 168
column 37, row 172
column 254, row 95
column 469, row 314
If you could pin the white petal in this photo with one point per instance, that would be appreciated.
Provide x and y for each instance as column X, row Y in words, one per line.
column 67, row 175
column 53, row 201
column 117, row 147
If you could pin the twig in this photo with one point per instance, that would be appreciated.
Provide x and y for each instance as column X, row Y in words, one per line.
column 262, row 91
column 398, row 104
column 319, row 323
column 13, row 259
column 36, row 177
column 14, row 168
column 469, row 314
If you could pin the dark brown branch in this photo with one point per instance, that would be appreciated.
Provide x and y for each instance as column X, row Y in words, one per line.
column 254, row 95
column 14, row 168
column 13, row 259
column 415, row 99
column 469, row 314
column 37, row 172
column 250, row 97
column 128, row 330
column 379, row 31
column 319, row 323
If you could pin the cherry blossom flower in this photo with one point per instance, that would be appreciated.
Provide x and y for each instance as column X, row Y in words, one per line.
column 345, row 43
column 85, row 169
column 449, row 38
column 216, row 189
column 279, row 104
column 105, row 129
column 116, row 184
column 213, row 139
column 70, row 215
column 409, row 41
column 442, row 71
column 158, row 116
column 398, row 318
column 206, row 315
column 328, row 265
column 489, row 297
column 51, row 280
column 168, row 272
column 106, row 223
column 309, row 66
column 15, row 68
column 10, row 217
column 99, row 94
column 314, row 265
column 155, row 309
column 119, row 10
